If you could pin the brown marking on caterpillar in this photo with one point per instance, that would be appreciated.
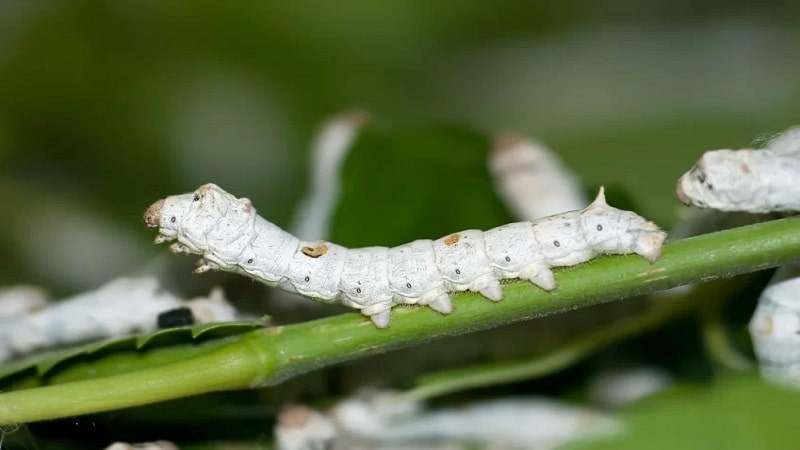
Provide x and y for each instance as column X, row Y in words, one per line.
column 152, row 217
column 315, row 252
column 768, row 327
column 452, row 239
column 745, row 168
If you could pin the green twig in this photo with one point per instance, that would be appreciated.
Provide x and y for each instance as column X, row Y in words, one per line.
column 454, row 380
column 271, row 355
column 661, row 310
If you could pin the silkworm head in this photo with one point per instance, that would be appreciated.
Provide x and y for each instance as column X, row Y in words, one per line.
column 718, row 180
column 152, row 217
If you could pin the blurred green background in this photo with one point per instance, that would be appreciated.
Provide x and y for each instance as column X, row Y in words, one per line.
column 107, row 106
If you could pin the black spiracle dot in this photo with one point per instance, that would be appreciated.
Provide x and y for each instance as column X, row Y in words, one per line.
column 508, row 259
column 172, row 219
column 557, row 244
column 250, row 261
column 458, row 271
column 408, row 285
column 599, row 227
column 358, row 290
column 307, row 278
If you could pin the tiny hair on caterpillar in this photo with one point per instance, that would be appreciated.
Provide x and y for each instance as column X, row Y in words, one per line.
column 229, row 236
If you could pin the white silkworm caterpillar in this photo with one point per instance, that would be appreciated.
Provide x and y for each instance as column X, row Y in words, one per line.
column 756, row 181
column 531, row 180
column 20, row 300
column 157, row 445
column 119, row 307
column 230, row 236
column 775, row 328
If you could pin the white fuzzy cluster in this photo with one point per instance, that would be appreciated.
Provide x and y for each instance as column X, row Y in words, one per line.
column 756, row 181
column 119, row 307
column 230, row 236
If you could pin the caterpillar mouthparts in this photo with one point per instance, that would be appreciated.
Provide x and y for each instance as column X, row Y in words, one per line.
column 152, row 217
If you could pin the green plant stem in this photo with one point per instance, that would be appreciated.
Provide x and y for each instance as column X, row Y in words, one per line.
column 268, row 356
column 205, row 373
column 662, row 308
column 449, row 381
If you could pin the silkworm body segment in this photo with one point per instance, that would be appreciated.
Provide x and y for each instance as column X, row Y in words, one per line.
column 230, row 236
column 756, row 181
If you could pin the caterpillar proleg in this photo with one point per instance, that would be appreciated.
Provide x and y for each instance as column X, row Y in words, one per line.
column 230, row 236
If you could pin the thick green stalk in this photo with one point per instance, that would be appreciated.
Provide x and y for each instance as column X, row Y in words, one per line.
column 270, row 355
column 234, row 366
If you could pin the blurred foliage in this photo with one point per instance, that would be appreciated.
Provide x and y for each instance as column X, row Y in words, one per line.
column 398, row 186
column 120, row 354
column 736, row 412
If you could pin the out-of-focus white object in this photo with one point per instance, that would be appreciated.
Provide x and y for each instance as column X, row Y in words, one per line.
column 20, row 300
column 301, row 428
column 119, row 307
column 521, row 423
column 775, row 328
column 621, row 387
column 756, row 181
column 157, row 445
column 328, row 152
column 531, row 180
